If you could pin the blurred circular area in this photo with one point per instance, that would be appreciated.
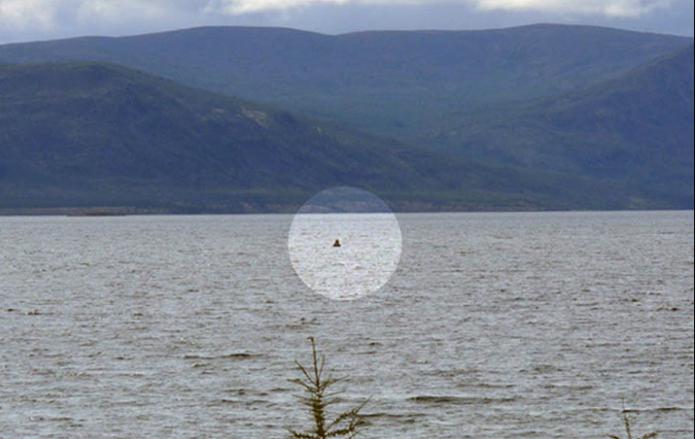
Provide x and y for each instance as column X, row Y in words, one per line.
column 345, row 243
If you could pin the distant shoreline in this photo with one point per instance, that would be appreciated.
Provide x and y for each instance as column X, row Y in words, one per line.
column 109, row 212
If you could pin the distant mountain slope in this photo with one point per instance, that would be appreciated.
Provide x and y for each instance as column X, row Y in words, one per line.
column 399, row 84
column 89, row 134
column 637, row 128
column 66, row 125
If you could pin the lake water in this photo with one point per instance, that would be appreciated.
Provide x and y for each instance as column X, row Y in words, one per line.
column 532, row 325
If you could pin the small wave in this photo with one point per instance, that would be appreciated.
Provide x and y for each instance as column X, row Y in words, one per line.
column 457, row 400
column 52, row 419
column 487, row 386
column 233, row 356
column 668, row 308
column 568, row 386
column 229, row 401
column 660, row 409
column 402, row 418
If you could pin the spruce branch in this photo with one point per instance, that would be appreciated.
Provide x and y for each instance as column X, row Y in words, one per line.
column 317, row 399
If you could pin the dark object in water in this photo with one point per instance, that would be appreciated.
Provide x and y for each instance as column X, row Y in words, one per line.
column 337, row 243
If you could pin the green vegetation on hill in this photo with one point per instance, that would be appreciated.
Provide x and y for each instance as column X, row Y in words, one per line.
column 637, row 129
column 398, row 84
column 89, row 134
column 537, row 117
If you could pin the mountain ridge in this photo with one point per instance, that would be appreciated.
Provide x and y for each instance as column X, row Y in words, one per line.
column 552, row 170
column 94, row 134
column 538, row 25
column 390, row 83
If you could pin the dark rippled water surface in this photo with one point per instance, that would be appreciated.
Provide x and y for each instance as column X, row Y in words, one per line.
column 494, row 326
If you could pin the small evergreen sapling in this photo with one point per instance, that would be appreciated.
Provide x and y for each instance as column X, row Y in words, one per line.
column 628, row 429
column 318, row 399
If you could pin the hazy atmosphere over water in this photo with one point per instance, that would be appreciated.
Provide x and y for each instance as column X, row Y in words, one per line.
column 25, row 20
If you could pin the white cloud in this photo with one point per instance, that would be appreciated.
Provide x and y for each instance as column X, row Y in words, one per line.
column 22, row 14
column 120, row 10
column 45, row 14
column 610, row 8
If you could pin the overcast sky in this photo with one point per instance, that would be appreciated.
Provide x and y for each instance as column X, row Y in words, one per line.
column 26, row 20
